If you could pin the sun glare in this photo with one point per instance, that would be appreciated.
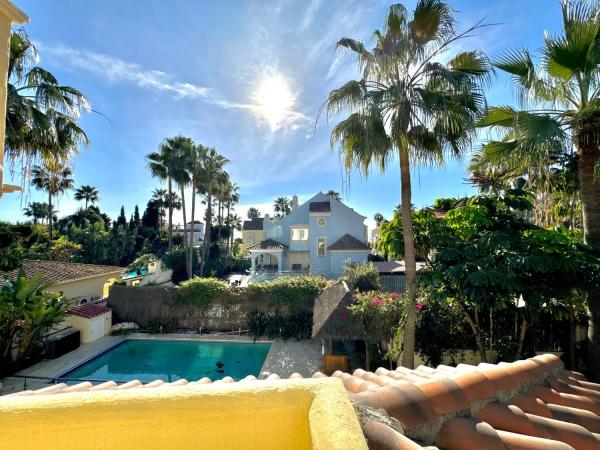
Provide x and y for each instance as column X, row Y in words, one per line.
column 274, row 100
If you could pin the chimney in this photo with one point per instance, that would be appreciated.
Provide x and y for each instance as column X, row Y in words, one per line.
column 294, row 202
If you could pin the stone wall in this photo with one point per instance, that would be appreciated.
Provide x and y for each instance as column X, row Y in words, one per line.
column 151, row 306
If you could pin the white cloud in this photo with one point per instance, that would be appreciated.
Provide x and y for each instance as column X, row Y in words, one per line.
column 310, row 14
column 116, row 70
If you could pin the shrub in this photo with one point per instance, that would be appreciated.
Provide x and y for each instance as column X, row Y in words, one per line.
column 142, row 261
column 200, row 291
column 176, row 262
column 377, row 314
column 362, row 277
column 291, row 291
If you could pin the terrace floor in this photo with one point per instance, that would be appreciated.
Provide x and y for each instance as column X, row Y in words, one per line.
column 284, row 358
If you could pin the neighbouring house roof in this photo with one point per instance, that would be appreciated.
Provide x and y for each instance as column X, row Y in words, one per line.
column 348, row 242
column 57, row 272
column 88, row 310
column 393, row 267
column 268, row 244
column 320, row 207
column 254, row 224
column 531, row 403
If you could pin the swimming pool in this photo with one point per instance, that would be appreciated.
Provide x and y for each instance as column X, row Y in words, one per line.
column 156, row 359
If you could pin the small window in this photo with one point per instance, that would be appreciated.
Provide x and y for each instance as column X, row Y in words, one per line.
column 299, row 234
column 250, row 238
column 321, row 221
column 321, row 246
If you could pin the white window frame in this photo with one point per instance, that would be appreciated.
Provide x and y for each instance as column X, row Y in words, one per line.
column 299, row 231
column 250, row 238
column 324, row 246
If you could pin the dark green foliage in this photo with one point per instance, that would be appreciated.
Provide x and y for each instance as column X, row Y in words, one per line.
column 11, row 251
column 441, row 327
column 150, row 218
column 275, row 325
column 200, row 291
column 176, row 261
column 362, row 277
column 289, row 291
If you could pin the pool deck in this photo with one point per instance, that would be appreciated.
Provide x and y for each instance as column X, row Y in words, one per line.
column 284, row 358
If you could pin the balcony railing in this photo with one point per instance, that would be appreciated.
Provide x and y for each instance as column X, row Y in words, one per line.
column 270, row 275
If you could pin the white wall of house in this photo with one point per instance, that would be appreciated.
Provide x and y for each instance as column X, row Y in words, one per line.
column 91, row 329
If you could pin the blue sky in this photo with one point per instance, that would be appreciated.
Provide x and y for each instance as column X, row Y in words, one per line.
column 212, row 70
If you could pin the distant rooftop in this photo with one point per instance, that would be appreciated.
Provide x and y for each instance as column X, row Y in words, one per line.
column 60, row 272
column 254, row 224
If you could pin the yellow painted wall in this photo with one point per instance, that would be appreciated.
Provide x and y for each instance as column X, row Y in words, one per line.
column 298, row 258
column 258, row 236
column 265, row 415
column 88, row 287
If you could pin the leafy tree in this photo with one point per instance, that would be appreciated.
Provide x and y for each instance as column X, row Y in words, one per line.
column 10, row 244
column 150, row 218
column 282, row 206
column 41, row 113
column 137, row 221
column 362, row 277
column 27, row 313
column 378, row 218
column 334, row 194
column 122, row 219
column 407, row 104
column 253, row 213
column 55, row 179
column 87, row 193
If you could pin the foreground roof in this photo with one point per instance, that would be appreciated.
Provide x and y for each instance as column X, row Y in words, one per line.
column 268, row 244
column 528, row 404
column 348, row 242
column 61, row 272
column 253, row 224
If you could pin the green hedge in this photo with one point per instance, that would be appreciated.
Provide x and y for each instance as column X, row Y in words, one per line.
column 293, row 292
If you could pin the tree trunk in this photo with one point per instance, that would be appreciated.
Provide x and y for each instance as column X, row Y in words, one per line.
column 170, row 187
column 207, row 229
column 522, row 338
column 410, row 264
column 588, row 153
column 50, row 213
column 190, row 250
column 230, row 227
column 185, row 242
column 476, row 332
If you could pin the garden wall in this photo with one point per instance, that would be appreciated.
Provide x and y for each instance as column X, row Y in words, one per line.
column 153, row 306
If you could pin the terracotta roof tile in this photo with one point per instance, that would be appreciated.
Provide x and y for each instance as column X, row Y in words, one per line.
column 60, row 272
column 88, row 310
column 521, row 405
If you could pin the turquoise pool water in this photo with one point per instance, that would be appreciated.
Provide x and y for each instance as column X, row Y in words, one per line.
column 153, row 359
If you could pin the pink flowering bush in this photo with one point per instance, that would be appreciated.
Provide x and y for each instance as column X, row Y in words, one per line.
column 378, row 314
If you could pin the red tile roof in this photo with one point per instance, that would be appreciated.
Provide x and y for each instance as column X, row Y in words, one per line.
column 57, row 272
column 88, row 310
column 530, row 404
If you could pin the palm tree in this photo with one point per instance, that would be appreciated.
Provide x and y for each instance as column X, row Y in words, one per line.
column 213, row 175
column 55, row 179
column 378, row 218
column 231, row 199
column 560, row 97
column 282, row 206
column 41, row 114
column 407, row 104
column 334, row 194
column 37, row 211
column 160, row 197
column 196, row 168
column 162, row 165
column 234, row 222
column 253, row 213
column 88, row 193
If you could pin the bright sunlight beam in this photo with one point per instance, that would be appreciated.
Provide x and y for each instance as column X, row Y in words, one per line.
column 273, row 100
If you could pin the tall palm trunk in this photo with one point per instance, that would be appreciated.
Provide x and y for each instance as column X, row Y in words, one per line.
column 207, row 229
column 170, row 187
column 410, row 264
column 190, row 249
column 185, row 241
column 230, row 227
column 588, row 153
column 86, row 203
column 50, row 222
